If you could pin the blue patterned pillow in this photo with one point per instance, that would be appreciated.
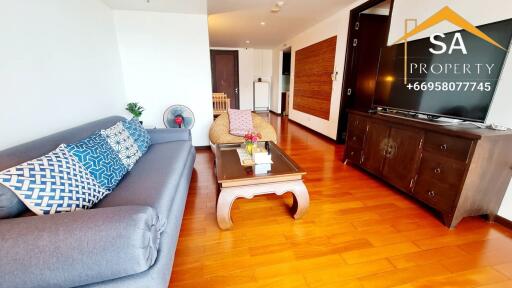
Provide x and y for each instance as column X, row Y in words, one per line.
column 123, row 144
column 138, row 134
column 54, row 183
column 10, row 205
column 99, row 159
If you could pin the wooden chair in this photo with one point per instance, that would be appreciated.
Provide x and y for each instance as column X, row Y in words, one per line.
column 220, row 103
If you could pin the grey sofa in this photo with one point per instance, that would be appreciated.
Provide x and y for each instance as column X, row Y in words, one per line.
column 127, row 240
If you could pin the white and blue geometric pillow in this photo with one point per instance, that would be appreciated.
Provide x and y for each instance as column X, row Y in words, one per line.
column 138, row 134
column 99, row 159
column 123, row 144
column 54, row 183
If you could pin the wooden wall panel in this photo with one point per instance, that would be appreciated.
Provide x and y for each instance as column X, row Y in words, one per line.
column 312, row 80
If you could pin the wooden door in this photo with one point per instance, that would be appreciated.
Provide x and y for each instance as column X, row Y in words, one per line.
column 402, row 157
column 368, row 33
column 374, row 148
column 372, row 38
column 312, row 86
column 224, row 64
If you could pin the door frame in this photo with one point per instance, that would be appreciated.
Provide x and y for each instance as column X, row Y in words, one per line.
column 348, row 78
column 286, row 49
column 214, row 52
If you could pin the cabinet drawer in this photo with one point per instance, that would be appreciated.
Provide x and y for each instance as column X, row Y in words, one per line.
column 355, row 138
column 439, row 169
column 356, row 124
column 353, row 154
column 448, row 146
column 437, row 195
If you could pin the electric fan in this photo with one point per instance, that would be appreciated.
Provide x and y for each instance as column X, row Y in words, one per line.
column 179, row 116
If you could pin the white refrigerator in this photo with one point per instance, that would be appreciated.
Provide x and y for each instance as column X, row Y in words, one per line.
column 261, row 96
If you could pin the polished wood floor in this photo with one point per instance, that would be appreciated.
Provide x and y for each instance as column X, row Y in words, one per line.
column 357, row 233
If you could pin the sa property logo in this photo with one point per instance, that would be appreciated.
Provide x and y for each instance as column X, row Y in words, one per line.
column 457, row 43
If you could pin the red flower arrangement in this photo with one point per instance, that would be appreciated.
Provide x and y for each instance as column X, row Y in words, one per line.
column 252, row 137
column 250, row 140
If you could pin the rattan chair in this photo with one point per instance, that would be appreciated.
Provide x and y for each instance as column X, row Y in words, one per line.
column 220, row 103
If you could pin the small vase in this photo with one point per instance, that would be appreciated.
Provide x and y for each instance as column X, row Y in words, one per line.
column 249, row 147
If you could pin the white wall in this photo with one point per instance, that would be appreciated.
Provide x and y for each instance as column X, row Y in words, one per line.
column 471, row 10
column 252, row 64
column 336, row 25
column 262, row 64
column 277, row 64
column 59, row 67
column 166, row 60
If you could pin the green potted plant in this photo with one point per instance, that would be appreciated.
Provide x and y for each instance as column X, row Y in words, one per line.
column 135, row 109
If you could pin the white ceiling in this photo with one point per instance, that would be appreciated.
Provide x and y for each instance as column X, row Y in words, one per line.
column 173, row 6
column 233, row 22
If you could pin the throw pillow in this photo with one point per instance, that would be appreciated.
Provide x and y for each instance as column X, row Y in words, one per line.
column 123, row 144
column 54, row 183
column 139, row 135
column 240, row 122
column 10, row 205
column 99, row 159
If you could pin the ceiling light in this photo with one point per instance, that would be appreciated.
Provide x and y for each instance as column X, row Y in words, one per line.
column 275, row 9
column 247, row 41
column 263, row 23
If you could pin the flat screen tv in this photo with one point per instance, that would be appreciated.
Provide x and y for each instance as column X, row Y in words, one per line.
column 453, row 85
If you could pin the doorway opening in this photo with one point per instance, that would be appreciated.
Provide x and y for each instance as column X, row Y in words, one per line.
column 224, row 65
column 285, row 81
column 368, row 33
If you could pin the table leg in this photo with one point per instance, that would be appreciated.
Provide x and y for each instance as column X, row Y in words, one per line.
column 224, row 209
column 228, row 196
column 300, row 200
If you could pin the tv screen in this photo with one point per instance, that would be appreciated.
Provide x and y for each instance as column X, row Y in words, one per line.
column 447, row 83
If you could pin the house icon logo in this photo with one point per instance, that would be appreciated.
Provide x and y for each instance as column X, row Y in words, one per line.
column 445, row 14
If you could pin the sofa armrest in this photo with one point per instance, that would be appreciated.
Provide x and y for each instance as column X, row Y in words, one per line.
column 78, row 248
column 163, row 135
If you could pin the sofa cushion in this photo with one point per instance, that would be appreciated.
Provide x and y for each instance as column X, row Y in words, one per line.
column 153, row 181
column 240, row 122
column 80, row 248
column 121, row 141
column 10, row 205
column 54, row 183
column 139, row 135
column 99, row 159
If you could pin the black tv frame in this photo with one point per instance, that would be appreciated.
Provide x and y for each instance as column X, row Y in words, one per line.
column 428, row 114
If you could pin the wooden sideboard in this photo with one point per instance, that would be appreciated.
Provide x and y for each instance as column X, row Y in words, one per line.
column 458, row 171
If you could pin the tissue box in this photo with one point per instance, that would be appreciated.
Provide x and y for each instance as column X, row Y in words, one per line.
column 261, row 156
column 262, row 168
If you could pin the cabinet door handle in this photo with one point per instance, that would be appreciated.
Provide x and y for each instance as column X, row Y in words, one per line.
column 444, row 147
column 391, row 150
column 387, row 152
column 437, row 170
column 431, row 194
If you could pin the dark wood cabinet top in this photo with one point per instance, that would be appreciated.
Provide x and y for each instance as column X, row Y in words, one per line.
column 464, row 130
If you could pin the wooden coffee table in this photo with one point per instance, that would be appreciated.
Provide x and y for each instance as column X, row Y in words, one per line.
column 237, row 181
